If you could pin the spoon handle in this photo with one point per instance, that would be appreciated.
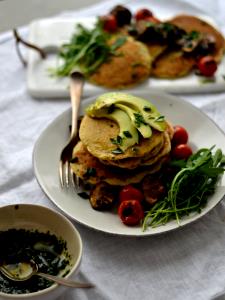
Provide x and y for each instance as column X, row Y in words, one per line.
column 66, row 282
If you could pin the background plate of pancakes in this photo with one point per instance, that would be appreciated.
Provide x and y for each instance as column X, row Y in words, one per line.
column 48, row 32
column 56, row 31
column 203, row 132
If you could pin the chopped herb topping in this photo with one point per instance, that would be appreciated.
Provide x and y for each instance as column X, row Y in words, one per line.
column 223, row 77
column 117, row 141
column 139, row 119
column 147, row 108
column 117, row 151
column 160, row 119
column 127, row 134
column 118, row 43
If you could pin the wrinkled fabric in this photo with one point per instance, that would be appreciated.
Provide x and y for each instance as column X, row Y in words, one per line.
column 185, row 264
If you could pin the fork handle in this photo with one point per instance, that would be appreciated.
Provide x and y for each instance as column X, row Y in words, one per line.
column 76, row 88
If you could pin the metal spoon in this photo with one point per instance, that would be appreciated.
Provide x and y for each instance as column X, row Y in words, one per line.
column 25, row 270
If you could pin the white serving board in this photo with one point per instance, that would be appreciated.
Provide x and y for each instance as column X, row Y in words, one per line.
column 56, row 31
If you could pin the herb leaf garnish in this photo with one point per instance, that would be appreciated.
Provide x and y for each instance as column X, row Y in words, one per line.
column 189, row 189
column 86, row 50
column 147, row 109
column 160, row 119
column 139, row 119
column 117, row 141
column 127, row 134
column 118, row 43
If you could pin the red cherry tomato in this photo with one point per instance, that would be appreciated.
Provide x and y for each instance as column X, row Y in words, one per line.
column 180, row 135
column 207, row 65
column 129, row 192
column 131, row 212
column 152, row 19
column 181, row 151
column 142, row 14
column 109, row 23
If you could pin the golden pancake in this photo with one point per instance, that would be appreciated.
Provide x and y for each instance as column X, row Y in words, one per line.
column 172, row 64
column 155, row 50
column 96, row 135
column 133, row 162
column 130, row 65
column 151, row 158
column 191, row 23
column 163, row 152
column 83, row 162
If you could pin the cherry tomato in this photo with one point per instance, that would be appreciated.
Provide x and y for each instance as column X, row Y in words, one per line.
column 181, row 151
column 152, row 19
column 109, row 23
column 180, row 135
column 131, row 212
column 142, row 14
column 129, row 192
column 207, row 65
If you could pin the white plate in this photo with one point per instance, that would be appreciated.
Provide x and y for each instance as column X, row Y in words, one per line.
column 48, row 32
column 203, row 133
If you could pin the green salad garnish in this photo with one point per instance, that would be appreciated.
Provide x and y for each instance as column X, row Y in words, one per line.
column 86, row 50
column 190, row 188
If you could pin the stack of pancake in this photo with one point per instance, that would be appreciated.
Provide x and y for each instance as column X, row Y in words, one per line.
column 95, row 161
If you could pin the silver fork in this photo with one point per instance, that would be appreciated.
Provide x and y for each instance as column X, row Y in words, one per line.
column 65, row 173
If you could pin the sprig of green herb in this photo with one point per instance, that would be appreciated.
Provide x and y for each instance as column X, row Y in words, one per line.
column 160, row 119
column 86, row 50
column 189, row 189
column 139, row 119
column 127, row 134
column 117, row 141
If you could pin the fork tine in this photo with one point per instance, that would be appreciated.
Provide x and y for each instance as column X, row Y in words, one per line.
column 77, row 181
column 61, row 173
column 72, row 176
column 67, row 172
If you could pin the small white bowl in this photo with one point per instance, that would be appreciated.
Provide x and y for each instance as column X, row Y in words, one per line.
column 43, row 219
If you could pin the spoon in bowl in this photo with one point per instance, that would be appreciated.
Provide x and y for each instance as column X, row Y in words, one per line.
column 24, row 270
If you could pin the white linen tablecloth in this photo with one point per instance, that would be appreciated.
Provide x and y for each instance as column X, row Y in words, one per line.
column 184, row 264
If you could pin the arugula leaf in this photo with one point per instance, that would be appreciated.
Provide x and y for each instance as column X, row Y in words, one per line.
column 86, row 50
column 189, row 189
column 118, row 43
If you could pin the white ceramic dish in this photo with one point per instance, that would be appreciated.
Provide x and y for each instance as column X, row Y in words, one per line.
column 43, row 219
column 48, row 32
column 203, row 133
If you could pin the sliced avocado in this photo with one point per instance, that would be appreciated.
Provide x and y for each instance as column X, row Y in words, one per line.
column 136, row 119
column 128, row 133
column 149, row 112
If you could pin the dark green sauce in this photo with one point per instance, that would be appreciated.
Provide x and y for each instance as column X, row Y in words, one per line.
column 49, row 253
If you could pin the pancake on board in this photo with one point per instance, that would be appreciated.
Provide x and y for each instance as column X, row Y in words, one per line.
column 172, row 64
column 155, row 50
column 130, row 65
